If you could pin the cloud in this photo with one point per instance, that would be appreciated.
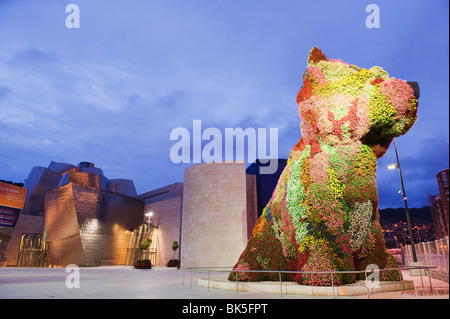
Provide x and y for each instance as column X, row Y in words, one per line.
column 112, row 91
column 4, row 92
column 33, row 57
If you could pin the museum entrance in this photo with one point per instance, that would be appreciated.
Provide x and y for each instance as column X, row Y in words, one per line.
column 137, row 236
column 32, row 251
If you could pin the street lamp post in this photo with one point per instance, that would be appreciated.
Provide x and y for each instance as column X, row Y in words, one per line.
column 408, row 220
column 149, row 214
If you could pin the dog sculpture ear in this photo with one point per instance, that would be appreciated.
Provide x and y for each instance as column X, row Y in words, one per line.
column 315, row 55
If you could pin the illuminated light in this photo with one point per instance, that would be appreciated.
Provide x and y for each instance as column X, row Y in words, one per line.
column 92, row 226
column 149, row 214
column 392, row 166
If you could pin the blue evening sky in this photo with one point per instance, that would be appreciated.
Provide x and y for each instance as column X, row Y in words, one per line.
column 111, row 91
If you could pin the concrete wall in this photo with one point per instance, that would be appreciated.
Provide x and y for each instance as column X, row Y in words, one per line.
column 165, row 203
column 214, row 231
column 167, row 217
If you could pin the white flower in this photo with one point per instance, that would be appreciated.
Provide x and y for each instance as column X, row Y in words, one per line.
column 359, row 220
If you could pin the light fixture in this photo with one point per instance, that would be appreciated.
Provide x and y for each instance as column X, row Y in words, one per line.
column 408, row 221
column 149, row 214
column 392, row 166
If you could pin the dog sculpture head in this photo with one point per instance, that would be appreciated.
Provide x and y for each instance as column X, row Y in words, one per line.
column 340, row 103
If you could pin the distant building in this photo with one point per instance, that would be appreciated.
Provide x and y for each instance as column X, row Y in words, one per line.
column 265, row 183
column 396, row 234
column 439, row 205
column 434, row 208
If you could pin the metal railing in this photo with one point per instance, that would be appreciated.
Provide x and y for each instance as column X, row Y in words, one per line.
column 434, row 253
column 425, row 269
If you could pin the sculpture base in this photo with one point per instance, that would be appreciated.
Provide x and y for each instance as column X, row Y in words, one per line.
column 287, row 287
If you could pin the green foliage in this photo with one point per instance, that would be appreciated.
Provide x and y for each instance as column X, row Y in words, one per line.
column 12, row 183
column 382, row 113
column 145, row 244
column 263, row 252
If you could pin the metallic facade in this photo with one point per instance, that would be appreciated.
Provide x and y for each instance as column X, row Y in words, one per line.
column 87, row 218
column 87, row 226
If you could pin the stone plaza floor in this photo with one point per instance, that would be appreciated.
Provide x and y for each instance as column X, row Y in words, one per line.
column 125, row 282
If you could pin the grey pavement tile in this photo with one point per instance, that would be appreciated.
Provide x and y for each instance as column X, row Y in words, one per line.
column 125, row 282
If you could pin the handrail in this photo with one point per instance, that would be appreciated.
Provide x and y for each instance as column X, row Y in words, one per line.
column 305, row 272
column 228, row 270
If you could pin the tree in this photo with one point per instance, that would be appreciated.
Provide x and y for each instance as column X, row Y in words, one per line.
column 145, row 244
column 174, row 248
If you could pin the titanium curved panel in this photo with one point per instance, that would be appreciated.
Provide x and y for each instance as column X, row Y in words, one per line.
column 122, row 186
column 39, row 181
column 91, row 170
column 85, row 179
column 94, row 223
column 60, row 168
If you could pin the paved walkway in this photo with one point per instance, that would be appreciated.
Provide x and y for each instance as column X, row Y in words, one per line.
column 125, row 282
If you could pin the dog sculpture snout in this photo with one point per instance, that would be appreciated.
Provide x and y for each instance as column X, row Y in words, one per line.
column 415, row 87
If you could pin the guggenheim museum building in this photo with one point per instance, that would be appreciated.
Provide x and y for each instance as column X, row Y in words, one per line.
column 76, row 215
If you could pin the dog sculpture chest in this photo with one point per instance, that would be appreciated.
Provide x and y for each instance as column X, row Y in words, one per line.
column 323, row 214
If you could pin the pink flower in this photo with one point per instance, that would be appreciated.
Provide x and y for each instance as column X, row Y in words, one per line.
column 318, row 74
column 398, row 93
